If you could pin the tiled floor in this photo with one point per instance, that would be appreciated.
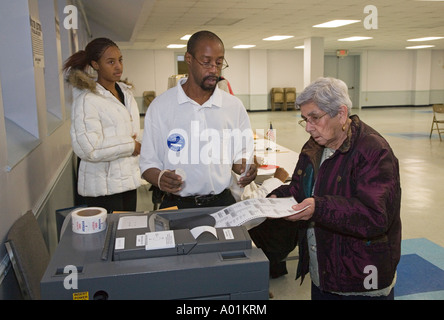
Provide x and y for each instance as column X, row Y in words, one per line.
column 421, row 270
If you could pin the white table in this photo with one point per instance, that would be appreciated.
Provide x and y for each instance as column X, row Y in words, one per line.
column 273, row 155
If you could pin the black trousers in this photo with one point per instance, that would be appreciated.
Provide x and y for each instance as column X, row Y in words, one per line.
column 125, row 201
column 277, row 238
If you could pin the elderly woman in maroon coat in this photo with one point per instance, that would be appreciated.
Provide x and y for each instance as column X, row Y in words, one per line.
column 347, row 178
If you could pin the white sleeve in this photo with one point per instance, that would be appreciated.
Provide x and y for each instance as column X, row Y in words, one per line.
column 151, row 150
column 253, row 191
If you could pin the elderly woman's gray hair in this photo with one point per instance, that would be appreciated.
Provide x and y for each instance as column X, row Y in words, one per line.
column 328, row 94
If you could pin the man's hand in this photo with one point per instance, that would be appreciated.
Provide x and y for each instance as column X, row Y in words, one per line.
column 281, row 174
column 249, row 176
column 170, row 182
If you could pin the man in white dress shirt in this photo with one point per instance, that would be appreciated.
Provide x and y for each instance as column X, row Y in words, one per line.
column 195, row 134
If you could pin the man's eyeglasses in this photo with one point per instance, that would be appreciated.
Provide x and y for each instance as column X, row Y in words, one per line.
column 312, row 120
column 208, row 65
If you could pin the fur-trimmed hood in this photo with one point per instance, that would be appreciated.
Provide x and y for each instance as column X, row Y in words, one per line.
column 81, row 80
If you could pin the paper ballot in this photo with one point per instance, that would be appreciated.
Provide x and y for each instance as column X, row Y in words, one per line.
column 248, row 213
column 252, row 212
column 159, row 240
column 197, row 231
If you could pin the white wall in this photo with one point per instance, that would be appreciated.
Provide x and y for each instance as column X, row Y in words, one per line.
column 437, row 77
column 402, row 78
column 437, row 70
column 387, row 71
column 138, row 67
column 388, row 78
column 249, row 79
column 148, row 70
column 286, row 69
column 238, row 71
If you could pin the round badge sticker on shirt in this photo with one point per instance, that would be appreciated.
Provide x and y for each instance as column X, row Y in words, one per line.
column 176, row 142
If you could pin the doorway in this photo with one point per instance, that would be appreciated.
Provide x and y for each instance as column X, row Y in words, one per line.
column 348, row 70
column 181, row 66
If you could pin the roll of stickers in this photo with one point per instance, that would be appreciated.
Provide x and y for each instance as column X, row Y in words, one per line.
column 88, row 220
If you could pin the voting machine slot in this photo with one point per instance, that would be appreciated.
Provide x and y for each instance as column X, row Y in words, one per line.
column 134, row 239
column 185, row 218
column 62, row 270
column 233, row 255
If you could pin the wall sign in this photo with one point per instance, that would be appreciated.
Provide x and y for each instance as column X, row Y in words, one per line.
column 37, row 43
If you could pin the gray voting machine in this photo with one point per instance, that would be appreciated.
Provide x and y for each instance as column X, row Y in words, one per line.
column 122, row 263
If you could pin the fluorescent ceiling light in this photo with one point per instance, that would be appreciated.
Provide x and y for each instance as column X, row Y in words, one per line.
column 335, row 23
column 186, row 37
column 299, row 47
column 355, row 38
column 426, row 39
column 176, row 46
column 420, row 47
column 277, row 38
column 244, row 46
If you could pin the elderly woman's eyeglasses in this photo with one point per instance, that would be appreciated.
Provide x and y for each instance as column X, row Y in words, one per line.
column 312, row 120
column 208, row 65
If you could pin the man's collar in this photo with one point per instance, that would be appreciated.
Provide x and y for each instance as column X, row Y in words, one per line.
column 215, row 99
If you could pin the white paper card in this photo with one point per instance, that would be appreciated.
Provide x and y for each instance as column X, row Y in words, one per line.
column 120, row 243
column 228, row 234
column 140, row 240
column 197, row 231
column 160, row 240
column 132, row 222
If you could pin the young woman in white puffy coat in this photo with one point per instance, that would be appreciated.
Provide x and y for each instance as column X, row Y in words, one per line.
column 105, row 128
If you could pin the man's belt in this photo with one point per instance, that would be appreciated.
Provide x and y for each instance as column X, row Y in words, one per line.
column 200, row 200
